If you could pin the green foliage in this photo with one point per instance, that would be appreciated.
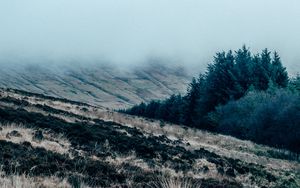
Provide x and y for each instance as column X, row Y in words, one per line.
column 278, row 75
column 230, row 77
column 271, row 118
column 260, row 77
column 294, row 84
column 242, row 70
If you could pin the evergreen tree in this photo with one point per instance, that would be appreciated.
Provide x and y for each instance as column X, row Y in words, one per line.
column 138, row 110
column 279, row 75
column 189, row 104
column 243, row 63
column 259, row 74
column 175, row 109
column 170, row 109
column 151, row 108
column 221, row 83
column 266, row 62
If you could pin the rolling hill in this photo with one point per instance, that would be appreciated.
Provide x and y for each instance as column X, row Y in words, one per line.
column 47, row 141
column 97, row 84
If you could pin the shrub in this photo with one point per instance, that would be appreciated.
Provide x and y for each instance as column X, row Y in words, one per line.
column 271, row 118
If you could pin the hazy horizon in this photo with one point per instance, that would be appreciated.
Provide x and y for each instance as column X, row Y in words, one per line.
column 130, row 32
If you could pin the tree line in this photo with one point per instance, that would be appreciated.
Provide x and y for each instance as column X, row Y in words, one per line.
column 230, row 78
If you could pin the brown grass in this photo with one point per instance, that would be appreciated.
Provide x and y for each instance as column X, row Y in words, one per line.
column 169, row 182
column 51, row 142
column 223, row 145
column 24, row 181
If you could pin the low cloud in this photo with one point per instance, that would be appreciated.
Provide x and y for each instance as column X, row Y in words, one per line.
column 131, row 31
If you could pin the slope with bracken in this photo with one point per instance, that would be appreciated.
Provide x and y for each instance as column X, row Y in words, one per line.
column 45, row 140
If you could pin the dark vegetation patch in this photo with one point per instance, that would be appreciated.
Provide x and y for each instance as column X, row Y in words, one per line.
column 23, row 158
column 13, row 133
column 38, row 135
column 22, row 103
column 61, row 112
column 266, row 118
column 30, row 94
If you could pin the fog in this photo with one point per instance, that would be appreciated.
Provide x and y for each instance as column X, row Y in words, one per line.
column 132, row 31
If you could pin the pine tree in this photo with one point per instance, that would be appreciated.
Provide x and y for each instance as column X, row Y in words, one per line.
column 259, row 74
column 266, row 62
column 190, row 100
column 279, row 75
column 151, row 108
column 138, row 110
column 221, row 83
column 243, row 63
column 175, row 109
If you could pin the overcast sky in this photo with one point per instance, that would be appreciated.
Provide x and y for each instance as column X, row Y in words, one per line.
column 128, row 31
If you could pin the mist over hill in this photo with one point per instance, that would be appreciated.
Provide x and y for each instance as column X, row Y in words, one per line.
column 149, row 94
column 101, row 84
column 127, row 32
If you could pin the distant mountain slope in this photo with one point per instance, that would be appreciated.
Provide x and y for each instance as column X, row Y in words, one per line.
column 103, row 85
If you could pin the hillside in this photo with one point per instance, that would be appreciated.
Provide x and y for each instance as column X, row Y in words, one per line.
column 97, row 84
column 48, row 142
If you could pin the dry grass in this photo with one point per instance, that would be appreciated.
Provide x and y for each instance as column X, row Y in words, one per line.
column 24, row 181
column 130, row 159
column 51, row 142
column 164, row 182
column 223, row 145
